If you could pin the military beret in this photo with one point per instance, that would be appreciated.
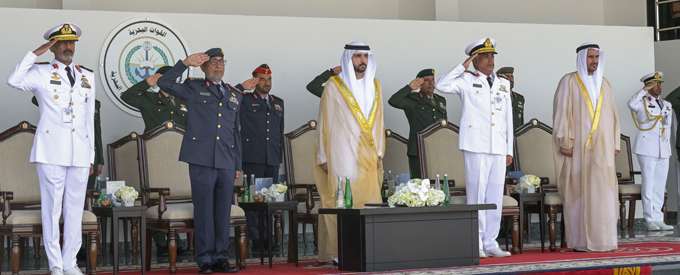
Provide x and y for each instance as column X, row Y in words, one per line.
column 163, row 69
column 425, row 72
column 215, row 52
column 262, row 69
column 506, row 70
column 63, row 32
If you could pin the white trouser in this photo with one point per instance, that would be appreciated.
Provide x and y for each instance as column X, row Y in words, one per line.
column 654, row 174
column 62, row 185
column 484, row 180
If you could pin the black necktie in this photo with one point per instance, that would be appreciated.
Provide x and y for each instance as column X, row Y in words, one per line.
column 659, row 103
column 488, row 78
column 70, row 76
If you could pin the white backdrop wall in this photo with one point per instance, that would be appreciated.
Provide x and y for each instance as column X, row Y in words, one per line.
column 298, row 49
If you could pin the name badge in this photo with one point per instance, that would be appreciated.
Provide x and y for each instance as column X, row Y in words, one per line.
column 205, row 93
column 477, row 85
column 499, row 103
column 256, row 105
column 67, row 115
column 651, row 106
column 55, row 82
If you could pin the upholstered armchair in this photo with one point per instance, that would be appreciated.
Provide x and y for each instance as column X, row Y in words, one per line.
column 299, row 159
column 166, row 189
column 21, row 213
column 438, row 154
column 534, row 155
column 628, row 190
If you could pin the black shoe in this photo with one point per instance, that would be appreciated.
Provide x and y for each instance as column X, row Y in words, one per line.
column 222, row 266
column 205, row 268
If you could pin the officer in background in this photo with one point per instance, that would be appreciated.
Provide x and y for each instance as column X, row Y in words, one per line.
column 63, row 149
column 212, row 148
column 516, row 98
column 422, row 109
column 652, row 116
column 316, row 85
column 155, row 105
column 262, row 137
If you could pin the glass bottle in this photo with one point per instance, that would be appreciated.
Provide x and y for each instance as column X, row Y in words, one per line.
column 447, row 192
column 437, row 185
column 349, row 202
column 246, row 195
column 339, row 195
column 98, row 187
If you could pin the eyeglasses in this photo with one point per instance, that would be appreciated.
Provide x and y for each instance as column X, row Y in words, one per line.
column 214, row 62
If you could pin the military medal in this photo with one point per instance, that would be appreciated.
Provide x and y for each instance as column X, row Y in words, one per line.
column 233, row 99
column 183, row 107
column 441, row 105
column 278, row 107
column 502, row 89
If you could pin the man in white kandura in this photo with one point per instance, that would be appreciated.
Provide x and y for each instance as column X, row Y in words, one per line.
column 486, row 136
column 349, row 139
column 586, row 138
column 63, row 149
column 652, row 115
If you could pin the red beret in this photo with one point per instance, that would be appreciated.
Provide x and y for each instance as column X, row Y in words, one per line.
column 262, row 69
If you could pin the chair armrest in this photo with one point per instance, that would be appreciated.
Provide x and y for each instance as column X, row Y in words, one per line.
column 309, row 204
column 162, row 193
column 238, row 190
column 510, row 181
column 90, row 195
column 6, row 209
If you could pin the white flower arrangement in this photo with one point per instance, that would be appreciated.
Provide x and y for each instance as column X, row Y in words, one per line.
column 274, row 190
column 416, row 193
column 528, row 181
column 126, row 194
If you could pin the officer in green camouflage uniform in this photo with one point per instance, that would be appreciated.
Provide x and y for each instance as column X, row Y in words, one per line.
column 155, row 105
column 422, row 109
column 517, row 102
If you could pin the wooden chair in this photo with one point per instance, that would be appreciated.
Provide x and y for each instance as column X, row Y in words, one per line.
column 534, row 156
column 395, row 158
column 123, row 165
column 438, row 154
column 166, row 189
column 298, row 151
column 21, row 213
column 628, row 190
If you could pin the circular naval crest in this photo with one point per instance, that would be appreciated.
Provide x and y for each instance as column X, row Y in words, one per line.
column 135, row 50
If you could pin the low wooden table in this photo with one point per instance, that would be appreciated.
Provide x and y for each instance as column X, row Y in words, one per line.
column 383, row 238
column 539, row 198
column 268, row 208
column 138, row 214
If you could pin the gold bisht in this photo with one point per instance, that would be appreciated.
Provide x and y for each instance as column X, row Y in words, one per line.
column 586, row 182
column 351, row 145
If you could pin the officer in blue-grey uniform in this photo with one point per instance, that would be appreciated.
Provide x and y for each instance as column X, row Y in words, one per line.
column 212, row 148
column 262, row 137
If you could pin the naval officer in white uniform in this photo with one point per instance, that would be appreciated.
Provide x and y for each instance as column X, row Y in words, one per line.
column 63, row 148
column 652, row 116
column 486, row 135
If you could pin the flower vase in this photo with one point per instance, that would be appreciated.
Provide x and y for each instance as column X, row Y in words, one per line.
column 129, row 203
column 280, row 197
column 531, row 189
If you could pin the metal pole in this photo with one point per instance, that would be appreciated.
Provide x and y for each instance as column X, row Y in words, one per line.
column 656, row 10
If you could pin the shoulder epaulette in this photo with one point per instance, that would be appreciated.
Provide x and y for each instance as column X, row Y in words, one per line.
column 86, row 68
column 196, row 79
column 41, row 63
column 472, row 73
column 503, row 77
column 276, row 97
column 235, row 88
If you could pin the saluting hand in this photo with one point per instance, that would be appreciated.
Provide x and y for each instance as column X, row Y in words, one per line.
column 196, row 60
column 649, row 86
column 250, row 83
column 416, row 83
column 44, row 47
column 153, row 80
column 467, row 62
column 337, row 70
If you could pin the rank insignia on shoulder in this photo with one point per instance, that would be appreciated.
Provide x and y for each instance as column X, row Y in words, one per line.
column 41, row 63
column 85, row 68
column 55, row 66
column 472, row 73
column 502, row 89
column 233, row 99
column 278, row 107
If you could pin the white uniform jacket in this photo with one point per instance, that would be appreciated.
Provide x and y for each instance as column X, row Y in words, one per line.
column 655, row 142
column 486, row 124
column 57, row 142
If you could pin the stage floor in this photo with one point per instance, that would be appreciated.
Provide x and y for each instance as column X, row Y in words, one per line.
column 637, row 247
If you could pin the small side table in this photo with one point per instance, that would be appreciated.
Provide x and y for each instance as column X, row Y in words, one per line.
column 124, row 212
column 530, row 197
column 268, row 208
